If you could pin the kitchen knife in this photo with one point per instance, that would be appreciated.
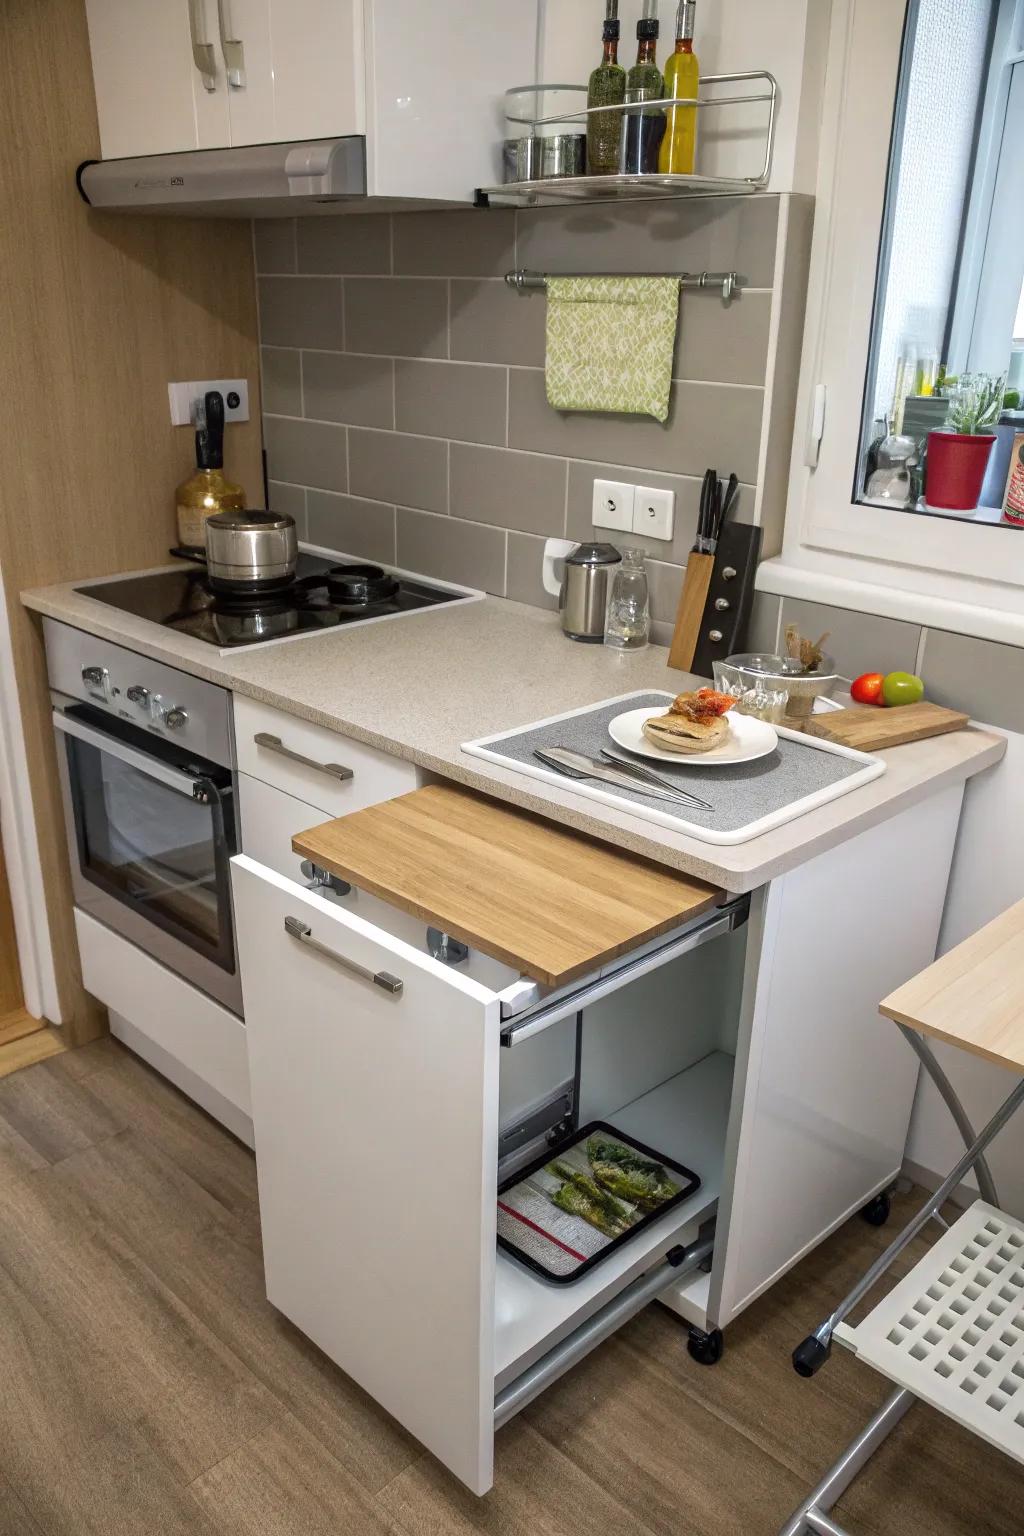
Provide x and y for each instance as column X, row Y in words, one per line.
column 580, row 766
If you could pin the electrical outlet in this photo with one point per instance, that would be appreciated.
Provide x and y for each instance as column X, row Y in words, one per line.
column 613, row 505
column 654, row 512
column 183, row 398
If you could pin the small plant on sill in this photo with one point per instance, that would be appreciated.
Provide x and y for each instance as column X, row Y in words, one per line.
column 975, row 404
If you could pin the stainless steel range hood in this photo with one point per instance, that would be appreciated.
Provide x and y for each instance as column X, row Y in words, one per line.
column 256, row 180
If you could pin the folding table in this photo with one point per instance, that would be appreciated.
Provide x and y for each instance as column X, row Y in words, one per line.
column 952, row 1331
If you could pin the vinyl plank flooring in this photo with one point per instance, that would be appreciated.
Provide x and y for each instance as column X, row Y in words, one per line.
column 55, row 1115
column 25, row 1049
column 15, row 1519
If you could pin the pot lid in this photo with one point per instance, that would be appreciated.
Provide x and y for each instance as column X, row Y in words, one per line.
column 252, row 521
column 594, row 554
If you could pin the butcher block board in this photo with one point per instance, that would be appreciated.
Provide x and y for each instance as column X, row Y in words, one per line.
column 871, row 728
column 550, row 902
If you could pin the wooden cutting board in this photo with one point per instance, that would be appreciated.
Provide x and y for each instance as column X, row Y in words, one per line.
column 550, row 902
column 870, row 728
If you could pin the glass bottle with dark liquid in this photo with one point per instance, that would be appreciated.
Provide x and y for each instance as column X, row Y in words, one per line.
column 643, row 130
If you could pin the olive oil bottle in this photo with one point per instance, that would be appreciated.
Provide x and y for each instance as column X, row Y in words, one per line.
column 678, row 152
column 607, row 87
column 642, row 130
column 207, row 490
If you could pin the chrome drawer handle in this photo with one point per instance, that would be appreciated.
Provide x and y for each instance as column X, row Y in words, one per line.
column 275, row 744
column 302, row 931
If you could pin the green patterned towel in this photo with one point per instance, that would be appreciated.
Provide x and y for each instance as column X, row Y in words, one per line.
column 610, row 343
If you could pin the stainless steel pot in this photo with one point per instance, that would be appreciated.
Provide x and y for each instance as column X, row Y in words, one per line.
column 581, row 585
column 250, row 549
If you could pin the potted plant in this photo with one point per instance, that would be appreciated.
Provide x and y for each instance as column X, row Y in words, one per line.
column 958, row 453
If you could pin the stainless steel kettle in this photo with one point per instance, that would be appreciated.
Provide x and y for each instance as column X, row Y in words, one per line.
column 581, row 585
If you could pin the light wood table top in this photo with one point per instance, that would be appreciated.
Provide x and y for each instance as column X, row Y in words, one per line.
column 553, row 904
column 974, row 995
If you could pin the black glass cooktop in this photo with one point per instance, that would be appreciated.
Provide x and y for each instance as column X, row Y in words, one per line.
column 324, row 595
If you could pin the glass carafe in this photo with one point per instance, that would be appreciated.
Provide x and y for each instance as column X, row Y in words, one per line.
column 628, row 620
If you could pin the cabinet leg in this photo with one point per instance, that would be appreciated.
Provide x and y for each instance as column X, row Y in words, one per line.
column 706, row 1348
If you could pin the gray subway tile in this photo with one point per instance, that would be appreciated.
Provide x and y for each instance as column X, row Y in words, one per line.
column 452, row 550
column 345, row 243
column 282, row 381
column 311, row 453
column 716, row 425
column 301, row 312
column 666, row 583
column 859, row 642
column 467, row 401
column 466, row 243
column 390, row 467
column 726, row 343
column 580, row 523
column 684, row 235
column 511, row 490
column 274, row 244
column 763, row 626
column 340, row 387
column 290, row 499
column 491, row 323
column 980, row 676
column 525, row 558
column 397, row 316
column 351, row 526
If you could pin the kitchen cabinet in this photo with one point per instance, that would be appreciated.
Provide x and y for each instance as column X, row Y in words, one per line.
column 745, row 1043
column 422, row 84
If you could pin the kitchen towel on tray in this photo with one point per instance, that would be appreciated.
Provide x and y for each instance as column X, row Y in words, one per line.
column 610, row 342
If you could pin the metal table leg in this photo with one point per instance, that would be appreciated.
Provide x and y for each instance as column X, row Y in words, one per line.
column 812, row 1514
column 919, row 1045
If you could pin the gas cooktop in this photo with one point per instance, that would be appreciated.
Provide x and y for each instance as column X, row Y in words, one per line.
column 325, row 594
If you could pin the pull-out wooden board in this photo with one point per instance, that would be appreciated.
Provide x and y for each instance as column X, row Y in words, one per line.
column 549, row 902
column 973, row 996
column 870, row 729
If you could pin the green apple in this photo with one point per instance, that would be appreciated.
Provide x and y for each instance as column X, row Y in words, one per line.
column 902, row 688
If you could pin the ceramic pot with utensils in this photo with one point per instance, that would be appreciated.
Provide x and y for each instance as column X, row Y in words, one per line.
column 577, row 574
column 250, row 551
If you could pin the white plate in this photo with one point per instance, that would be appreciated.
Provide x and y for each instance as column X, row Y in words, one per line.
column 748, row 738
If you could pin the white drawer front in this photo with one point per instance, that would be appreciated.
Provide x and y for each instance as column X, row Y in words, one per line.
column 375, row 775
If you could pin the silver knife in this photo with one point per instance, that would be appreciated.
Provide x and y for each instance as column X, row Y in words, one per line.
column 580, row 766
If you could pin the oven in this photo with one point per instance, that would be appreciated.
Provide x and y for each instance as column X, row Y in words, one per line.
column 151, row 821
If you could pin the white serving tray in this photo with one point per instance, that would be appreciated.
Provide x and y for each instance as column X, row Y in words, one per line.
column 489, row 747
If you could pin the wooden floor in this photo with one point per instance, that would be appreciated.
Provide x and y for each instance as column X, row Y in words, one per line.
column 24, row 1041
column 147, row 1389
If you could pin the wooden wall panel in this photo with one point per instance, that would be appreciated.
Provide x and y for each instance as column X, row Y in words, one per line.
column 99, row 313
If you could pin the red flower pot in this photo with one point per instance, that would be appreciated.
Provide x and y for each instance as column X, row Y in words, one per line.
column 956, row 467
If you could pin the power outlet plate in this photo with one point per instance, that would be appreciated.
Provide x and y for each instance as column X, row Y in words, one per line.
column 654, row 512
column 613, row 505
column 183, row 398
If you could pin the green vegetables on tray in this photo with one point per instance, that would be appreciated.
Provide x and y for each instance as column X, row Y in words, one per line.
column 618, row 1174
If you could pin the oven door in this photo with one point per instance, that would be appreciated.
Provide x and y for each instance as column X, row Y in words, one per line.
column 151, row 832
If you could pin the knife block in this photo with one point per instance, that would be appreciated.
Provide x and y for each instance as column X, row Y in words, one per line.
column 706, row 585
column 690, row 613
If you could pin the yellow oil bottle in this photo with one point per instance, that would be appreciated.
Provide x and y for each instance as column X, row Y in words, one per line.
column 678, row 152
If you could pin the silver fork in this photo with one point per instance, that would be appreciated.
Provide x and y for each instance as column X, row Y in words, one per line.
column 649, row 777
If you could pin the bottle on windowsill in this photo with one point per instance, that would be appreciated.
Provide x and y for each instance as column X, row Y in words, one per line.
column 607, row 87
column 678, row 152
column 207, row 490
column 642, row 131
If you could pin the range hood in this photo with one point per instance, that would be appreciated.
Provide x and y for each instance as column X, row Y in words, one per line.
column 257, row 180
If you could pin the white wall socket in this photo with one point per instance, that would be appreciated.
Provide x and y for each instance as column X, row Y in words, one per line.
column 654, row 512
column 183, row 396
column 613, row 505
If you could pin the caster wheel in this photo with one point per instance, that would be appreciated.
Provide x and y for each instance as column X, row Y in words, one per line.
column 706, row 1348
column 877, row 1211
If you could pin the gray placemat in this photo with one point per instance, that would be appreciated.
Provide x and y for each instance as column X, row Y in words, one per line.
column 741, row 793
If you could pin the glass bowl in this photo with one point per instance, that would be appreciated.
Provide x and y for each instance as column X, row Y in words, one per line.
column 775, row 688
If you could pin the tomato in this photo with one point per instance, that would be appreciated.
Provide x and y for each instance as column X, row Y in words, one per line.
column 868, row 688
column 902, row 688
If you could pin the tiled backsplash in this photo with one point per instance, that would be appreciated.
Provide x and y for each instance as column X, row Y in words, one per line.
column 405, row 413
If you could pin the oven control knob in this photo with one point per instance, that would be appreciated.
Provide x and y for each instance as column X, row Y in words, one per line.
column 138, row 695
column 97, row 680
column 174, row 718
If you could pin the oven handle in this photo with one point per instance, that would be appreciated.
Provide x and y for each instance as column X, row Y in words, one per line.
column 174, row 778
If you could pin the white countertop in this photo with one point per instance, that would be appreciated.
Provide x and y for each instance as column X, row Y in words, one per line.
column 417, row 687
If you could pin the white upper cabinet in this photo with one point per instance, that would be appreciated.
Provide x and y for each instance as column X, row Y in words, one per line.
column 423, row 83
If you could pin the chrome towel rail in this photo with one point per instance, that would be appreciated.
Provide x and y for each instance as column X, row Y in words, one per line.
column 523, row 280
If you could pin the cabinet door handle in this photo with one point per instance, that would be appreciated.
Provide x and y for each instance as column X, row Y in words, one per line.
column 302, row 931
column 231, row 46
column 203, row 55
column 275, row 744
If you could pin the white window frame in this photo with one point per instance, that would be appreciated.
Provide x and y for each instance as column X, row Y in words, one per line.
column 914, row 555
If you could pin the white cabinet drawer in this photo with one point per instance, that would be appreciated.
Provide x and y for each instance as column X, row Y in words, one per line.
column 331, row 772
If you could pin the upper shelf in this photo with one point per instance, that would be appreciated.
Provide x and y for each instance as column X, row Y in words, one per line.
column 626, row 186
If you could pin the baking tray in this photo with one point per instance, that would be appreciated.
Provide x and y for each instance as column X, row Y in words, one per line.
column 539, row 1210
column 802, row 773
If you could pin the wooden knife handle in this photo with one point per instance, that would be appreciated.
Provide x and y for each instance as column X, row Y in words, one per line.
column 694, row 595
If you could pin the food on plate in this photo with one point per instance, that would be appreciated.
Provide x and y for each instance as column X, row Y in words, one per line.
column 626, row 1173
column 582, row 1196
column 867, row 689
column 694, row 722
column 902, row 688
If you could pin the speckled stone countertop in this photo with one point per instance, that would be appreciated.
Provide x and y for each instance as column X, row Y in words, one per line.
column 419, row 686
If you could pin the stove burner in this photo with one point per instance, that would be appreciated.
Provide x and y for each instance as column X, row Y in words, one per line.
column 248, row 593
column 359, row 585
